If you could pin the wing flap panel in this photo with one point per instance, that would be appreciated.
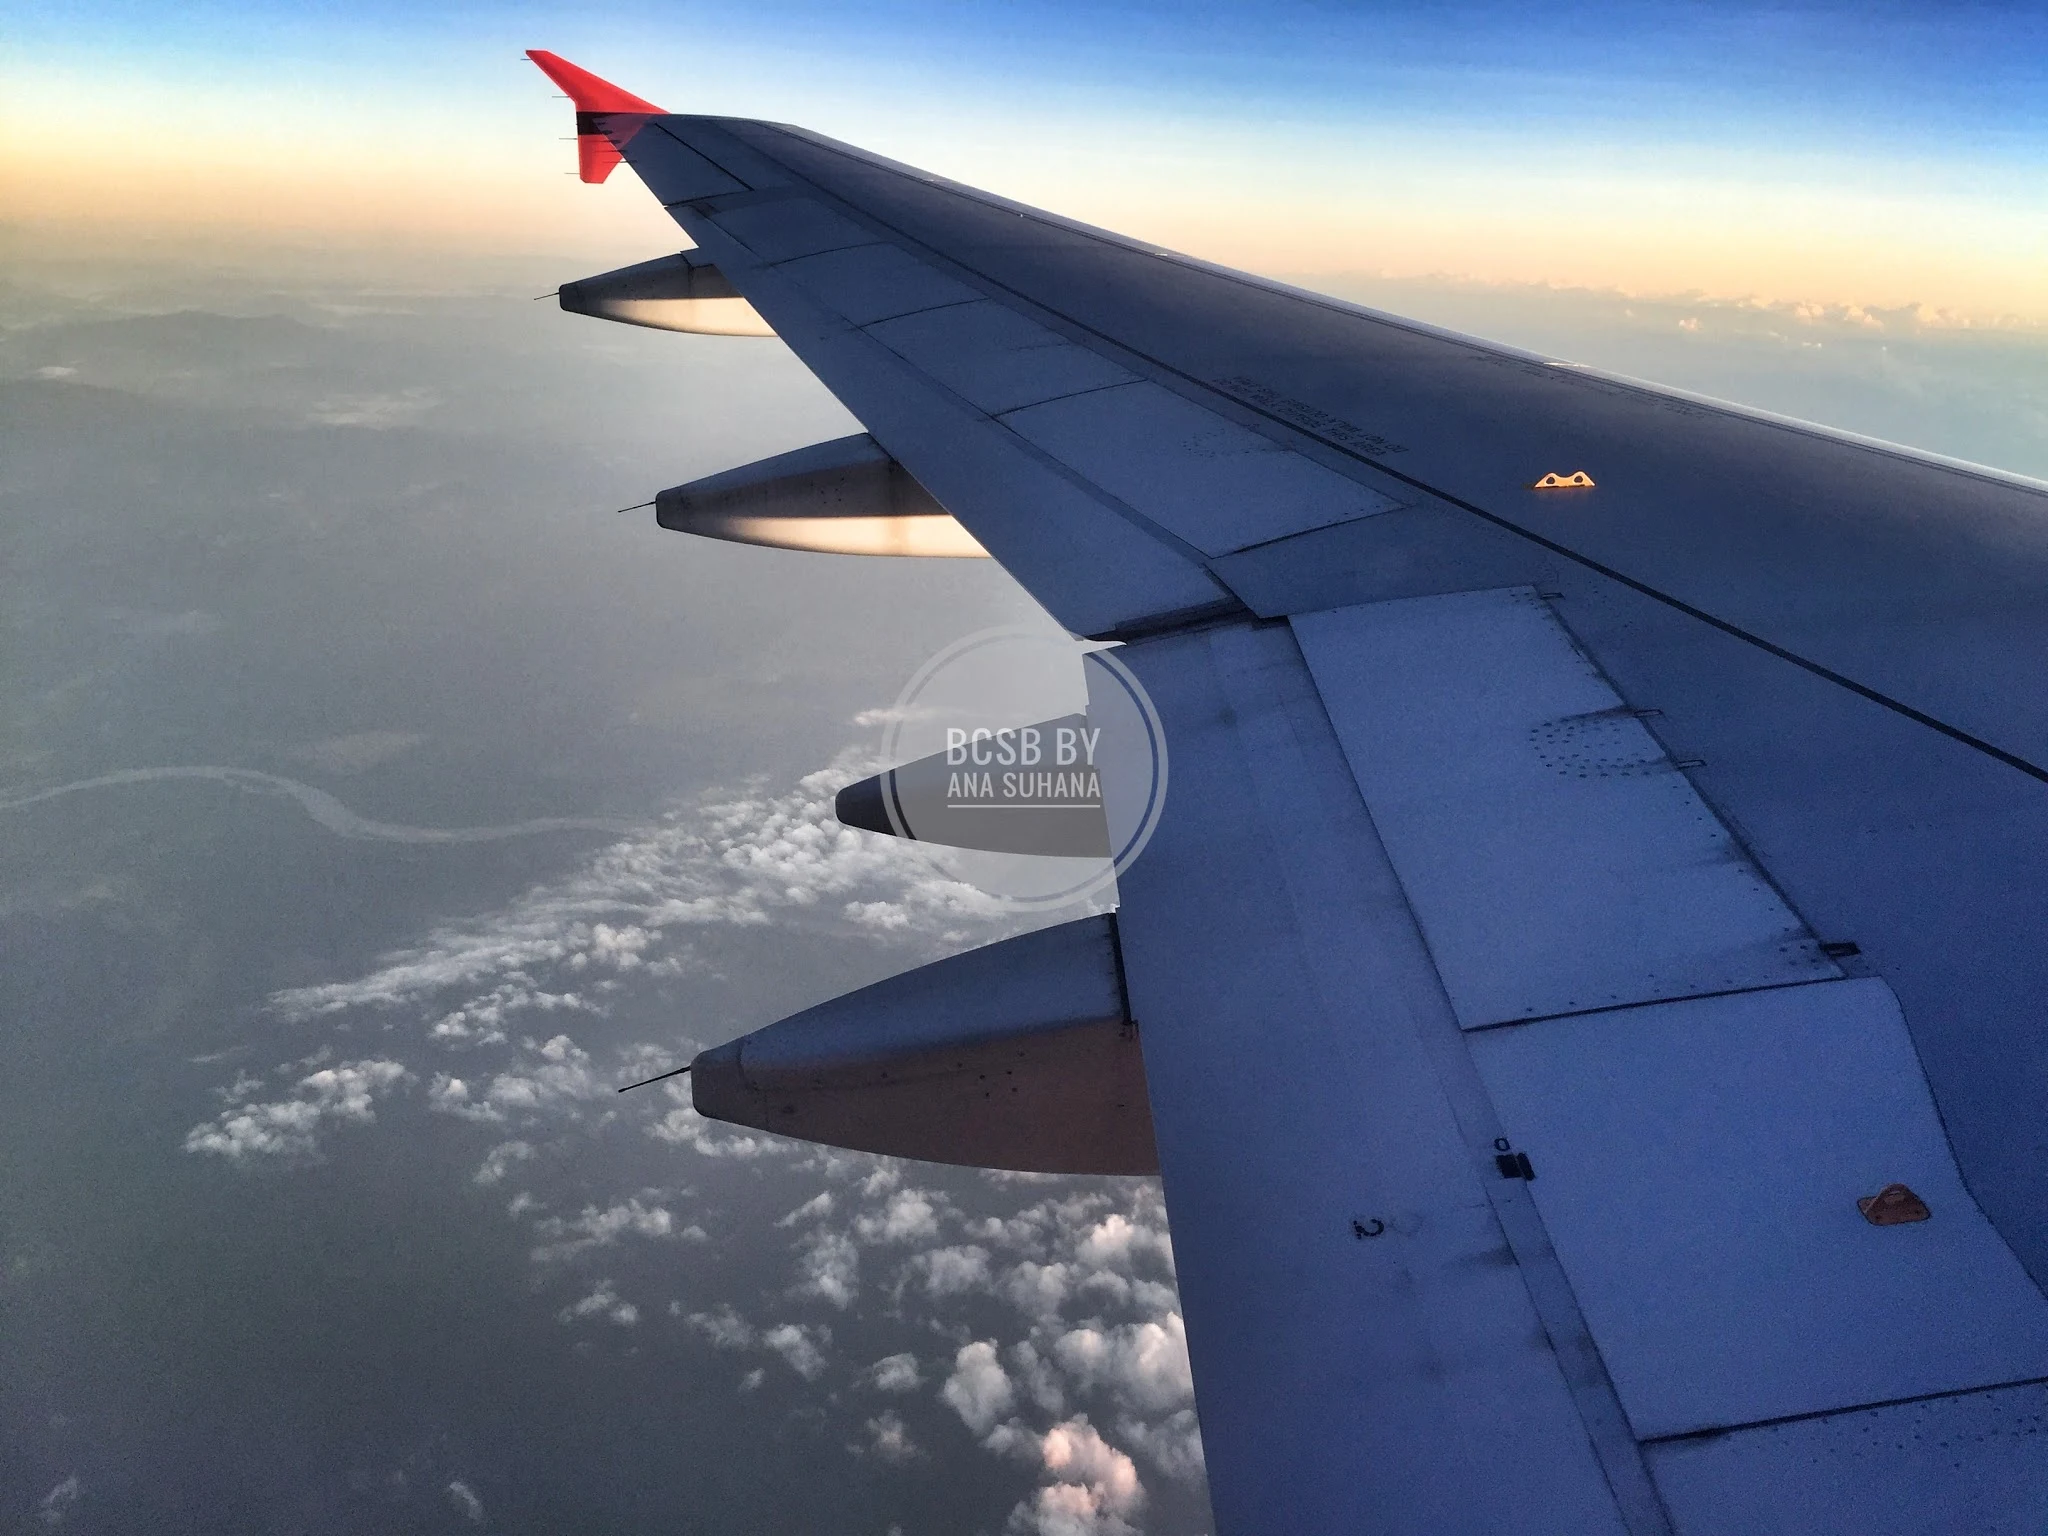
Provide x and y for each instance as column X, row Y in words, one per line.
column 1889, row 1471
column 674, row 172
column 994, row 358
column 1214, row 483
column 1367, row 1354
column 1557, row 858
column 784, row 228
column 866, row 283
column 1698, row 1166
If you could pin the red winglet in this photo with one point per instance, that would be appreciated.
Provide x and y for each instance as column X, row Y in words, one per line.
column 596, row 151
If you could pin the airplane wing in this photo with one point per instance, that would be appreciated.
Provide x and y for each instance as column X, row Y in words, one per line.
column 1589, row 972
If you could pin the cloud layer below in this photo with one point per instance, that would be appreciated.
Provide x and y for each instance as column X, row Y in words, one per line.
column 1038, row 1317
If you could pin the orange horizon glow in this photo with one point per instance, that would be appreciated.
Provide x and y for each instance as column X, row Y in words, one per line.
column 509, row 185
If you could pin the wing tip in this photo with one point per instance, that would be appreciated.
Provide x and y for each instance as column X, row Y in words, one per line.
column 591, row 95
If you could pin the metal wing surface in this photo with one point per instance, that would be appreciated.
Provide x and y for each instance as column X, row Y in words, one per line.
column 1571, row 902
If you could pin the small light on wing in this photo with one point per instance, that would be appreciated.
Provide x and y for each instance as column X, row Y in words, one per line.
column 1892, row 1206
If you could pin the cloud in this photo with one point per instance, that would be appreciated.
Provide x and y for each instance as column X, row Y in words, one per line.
column 603, row 1301
column 57, row 1503
column 1120, row 1243
column 801, row 1347
column 888, row 1439
column 596, row 1228
column 909, row 1217
column 829, row 1269
column 884, row 1178
column 895, row 1373
column 499, row 1160
column 1068, row 1509
column 979, row 1389
column 554, row 1072
column 288, row 1128
column 1174, row 1445
column 816, row 1208
column 547, row 1075
column 684, row 1127
column 466, row 1503
column 483, row 1018
column 737, row 861
column 1015, row 1439
column 1106, row 1249
column 451, row 1096
column 377, row 410
column 1038, row 1290
column 952, row 1271
column 725, row 1328
column 1087, row 1268
column 1040, row 1376
column 1097, row 1486
column 1144, row 1364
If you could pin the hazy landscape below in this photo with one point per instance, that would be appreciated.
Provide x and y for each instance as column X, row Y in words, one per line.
column 321, row 1214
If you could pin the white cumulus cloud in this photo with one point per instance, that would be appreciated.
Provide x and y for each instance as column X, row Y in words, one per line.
column 1143, row 1364
column 888, row 1439
column 684, row 1127
column 466, row 1502
column 952, row 1271
column 1118, row 1242
column 816, row 1208
column 600, row 1228
column 58, row 1502
column 896, row 1373
column 291, row 1127
column 829, row 1269
column 725, row 1328
column 910, row 1216
column 740, row 861
column 602, row 1302
column 500, row 1159
column 1097, row 1486
column 979, row 1389
column 1173, row 1445
column 801, row 1347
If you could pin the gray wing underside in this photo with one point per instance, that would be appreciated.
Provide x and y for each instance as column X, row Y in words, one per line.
column 1681, row 836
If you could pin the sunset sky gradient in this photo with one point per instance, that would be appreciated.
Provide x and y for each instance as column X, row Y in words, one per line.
column 1880, row 155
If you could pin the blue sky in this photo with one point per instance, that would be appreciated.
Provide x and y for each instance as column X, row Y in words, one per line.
column 1881, row 155
column 1960, row 78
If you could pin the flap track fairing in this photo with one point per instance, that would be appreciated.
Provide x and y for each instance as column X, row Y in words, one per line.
column 683, row 292
column 1020, row 1055
column 922, row 801
column 846, row 497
